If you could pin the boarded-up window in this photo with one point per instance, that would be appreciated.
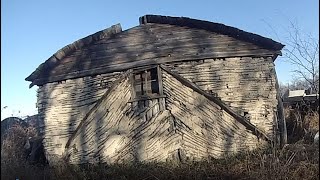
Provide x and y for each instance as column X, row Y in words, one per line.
column 146, row 83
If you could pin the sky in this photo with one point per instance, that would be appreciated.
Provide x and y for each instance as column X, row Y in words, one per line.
column 33, row 30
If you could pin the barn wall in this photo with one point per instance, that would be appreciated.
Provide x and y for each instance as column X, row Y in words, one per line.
column 106, row 121
column 119, row 131
column 62, row 105
column 191, row 124
column 205, row 129
column 114, row 131
column 246, row 84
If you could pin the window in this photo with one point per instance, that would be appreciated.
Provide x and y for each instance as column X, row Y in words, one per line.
column 146, row 83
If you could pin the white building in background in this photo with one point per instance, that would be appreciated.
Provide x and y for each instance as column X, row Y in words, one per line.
column 17, row 111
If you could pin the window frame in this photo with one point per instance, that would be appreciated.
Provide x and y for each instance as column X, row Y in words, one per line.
column 146, row 96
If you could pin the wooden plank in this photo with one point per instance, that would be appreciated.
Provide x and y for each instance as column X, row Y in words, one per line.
column 164, row 44
column 132, row 54
column 125, row 75
column 281, row 115
column 161, row 100
column 142, row 98
column 121, row 67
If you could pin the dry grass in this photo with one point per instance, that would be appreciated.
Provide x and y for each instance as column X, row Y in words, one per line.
column 13, row 142
column 296, row 161
column 301, row 126
column 299, row 161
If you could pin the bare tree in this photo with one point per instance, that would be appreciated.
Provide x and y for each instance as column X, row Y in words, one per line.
column 302, row 51
column 283, row 89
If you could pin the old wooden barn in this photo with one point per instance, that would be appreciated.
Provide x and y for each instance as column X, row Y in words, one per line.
column 169, row 88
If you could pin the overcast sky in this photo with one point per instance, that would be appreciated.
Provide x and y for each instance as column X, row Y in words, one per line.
column 31, row 31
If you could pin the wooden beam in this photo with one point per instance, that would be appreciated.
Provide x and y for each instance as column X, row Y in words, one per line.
column 102, row 69
column 281, row 116
column 82, row 122
column 143, row 98
column 220, row 103
column 161, row 100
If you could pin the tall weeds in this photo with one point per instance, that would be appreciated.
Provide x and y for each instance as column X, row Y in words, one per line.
column 295, row 161
column 298, row 160
column 301, row 125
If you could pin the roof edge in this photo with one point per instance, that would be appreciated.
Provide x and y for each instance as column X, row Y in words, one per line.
column 63, row 52
column 213, row 27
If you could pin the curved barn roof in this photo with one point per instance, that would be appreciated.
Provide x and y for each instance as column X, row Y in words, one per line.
column 214, row 27
column 158, row 39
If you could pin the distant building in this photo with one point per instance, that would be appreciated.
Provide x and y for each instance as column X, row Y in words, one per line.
column 300, row 99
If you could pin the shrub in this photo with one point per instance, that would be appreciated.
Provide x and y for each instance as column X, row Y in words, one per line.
column 301, row 125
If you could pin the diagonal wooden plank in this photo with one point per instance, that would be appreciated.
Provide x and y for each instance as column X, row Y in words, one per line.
column 83, row 121
column 256, row 131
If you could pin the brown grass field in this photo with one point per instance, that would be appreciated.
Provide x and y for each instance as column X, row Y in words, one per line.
column 297, row 160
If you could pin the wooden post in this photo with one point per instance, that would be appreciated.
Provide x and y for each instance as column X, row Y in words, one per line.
column 281, row 116
column 161, row 100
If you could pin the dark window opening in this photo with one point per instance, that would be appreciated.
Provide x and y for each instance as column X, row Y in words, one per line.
column 146, row 83
column 247, row 116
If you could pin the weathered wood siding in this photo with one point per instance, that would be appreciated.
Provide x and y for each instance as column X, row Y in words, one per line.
column 246, row 84
column 90, row 113
column 149, row 44
column 205, row 129
column 120, row 131
column 63, row 104
column 191, row 126
column 105, row 122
